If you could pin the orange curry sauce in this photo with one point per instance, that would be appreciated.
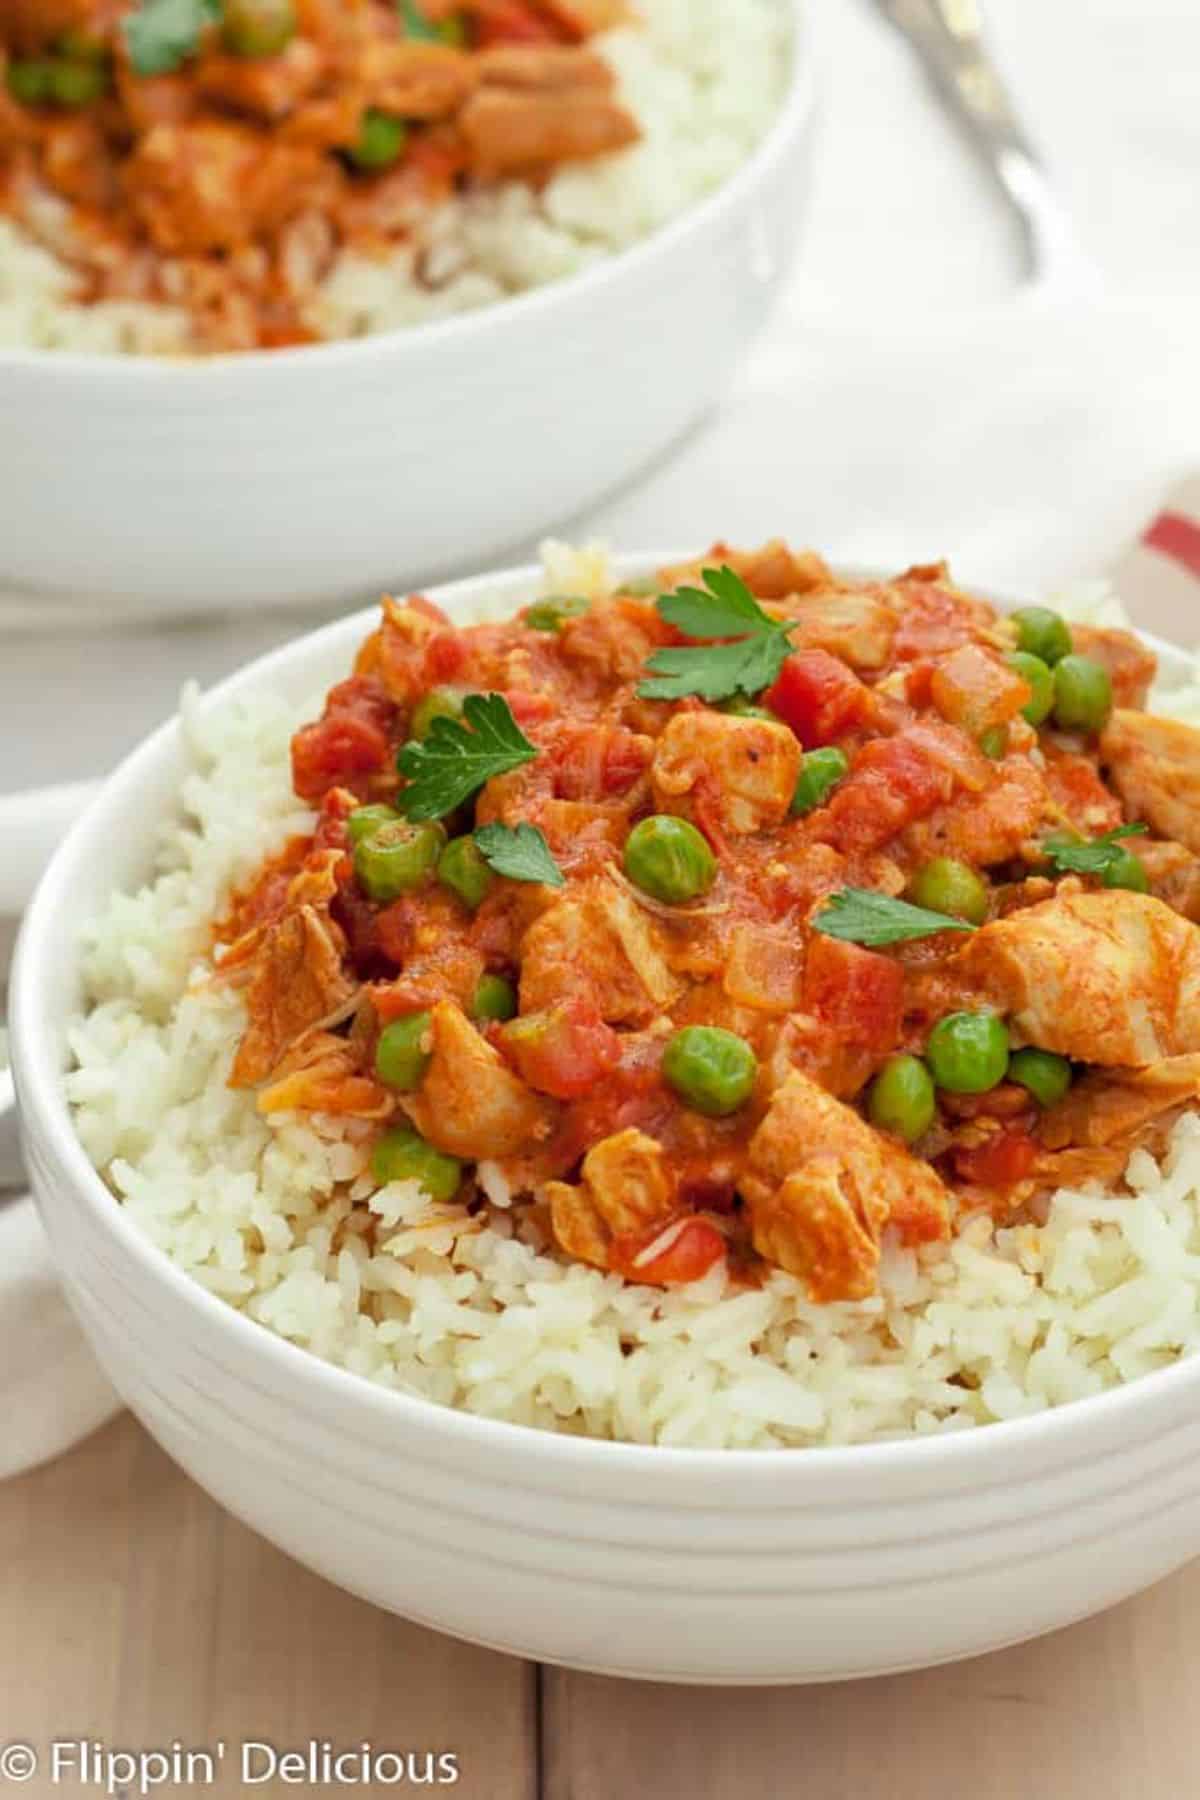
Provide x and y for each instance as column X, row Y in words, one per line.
column 912, row 681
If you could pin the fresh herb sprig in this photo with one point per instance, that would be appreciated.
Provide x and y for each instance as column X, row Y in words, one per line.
column 520, row 852
column 861, row 916
column 723, row 609
column 162, row 34
column 1067, row 857
column 459, row 755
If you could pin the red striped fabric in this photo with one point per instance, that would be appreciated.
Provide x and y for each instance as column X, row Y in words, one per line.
column 1176, row 537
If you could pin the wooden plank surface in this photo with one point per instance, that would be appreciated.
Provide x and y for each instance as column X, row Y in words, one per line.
column 134, row 1611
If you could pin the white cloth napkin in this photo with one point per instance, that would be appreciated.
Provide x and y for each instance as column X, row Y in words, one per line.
column 1029, row 442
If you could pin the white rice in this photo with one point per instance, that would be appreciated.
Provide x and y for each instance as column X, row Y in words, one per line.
column 471, row 1313
column 704, row 78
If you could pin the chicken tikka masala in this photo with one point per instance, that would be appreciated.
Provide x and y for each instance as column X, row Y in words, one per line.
column 217, row 155
column 748, row 913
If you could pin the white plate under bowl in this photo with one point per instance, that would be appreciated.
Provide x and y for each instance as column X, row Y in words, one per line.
column 293, row 477
column 681, row 1565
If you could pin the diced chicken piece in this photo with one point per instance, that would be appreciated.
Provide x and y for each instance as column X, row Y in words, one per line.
column 268, row 87
column 738, row 774
column 774, row 572
column 217, row 186
column 324, row 1075
column 1110, row 978
column 1131, row 666
column 545, row 66
column 629, row 1181
column 577, row 1225
column 1154, row 764
column 822, row 1186
column 509, row 132
column 297, row 982
column 613, row 639
column 599, row 946
column 989, row 827
column 396, row 652
column 415, row 80
column 811, row 1225
column 1108, row 1107
column 1174, row 873
column 853, row 623
column 470, row 1103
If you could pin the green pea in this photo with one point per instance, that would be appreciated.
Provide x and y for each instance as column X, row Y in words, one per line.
column 1048, row 1077
column 741, row 707
column 669, row 859
column 495, row 998
column 397, row 858
column 28, row 80
column 947, row 886
column 968, row 1052
column 550, row 615
column 1040, row 677
column 403, row 1155
column 402, row 1054
column 453, row 31
column 711, row 1070
column 901, row 1098
column 438, row 703
column 820, row 773
column 381, row 140
column 1043, row 633
column 1083, row 696
column 364, row 821
column 462, row 868
column 258, row 27
column 642, row 587
column 1126, row 871
column 994, row 742
column 77, row 84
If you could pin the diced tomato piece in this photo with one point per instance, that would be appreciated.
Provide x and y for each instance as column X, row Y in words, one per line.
column 599, row 761
column 856, row 992
column 562, row 1052
column 351, row 740
column 445, row 657
column 689, row 1251
column 1001, row 1162
column 530, row 709
column 819, row 696
column 891, row 783
column 336, row 751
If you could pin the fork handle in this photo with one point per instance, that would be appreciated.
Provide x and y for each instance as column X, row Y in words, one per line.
column 948, row 37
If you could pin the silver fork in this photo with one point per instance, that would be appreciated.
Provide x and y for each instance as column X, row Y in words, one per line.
column 947, row 35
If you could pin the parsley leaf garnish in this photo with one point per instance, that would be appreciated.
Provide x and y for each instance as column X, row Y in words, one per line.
column 520, row 852
column 459, row 755
column 860, row 916
column 1096, row 858
column 161, row 34
column 723, row 608
column 415, row 24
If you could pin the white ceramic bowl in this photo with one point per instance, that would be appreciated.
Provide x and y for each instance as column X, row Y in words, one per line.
column 736, row 1566
column 298, row 476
